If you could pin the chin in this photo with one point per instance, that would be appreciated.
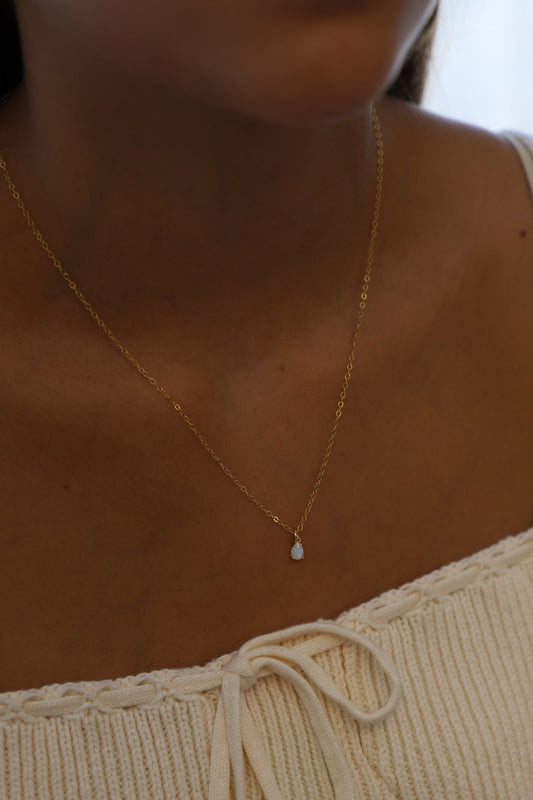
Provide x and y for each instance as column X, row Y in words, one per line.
column 308, row 83
column 300, row 100
column 329, row 98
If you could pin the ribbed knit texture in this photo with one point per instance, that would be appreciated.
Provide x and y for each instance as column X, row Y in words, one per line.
column 461, row 639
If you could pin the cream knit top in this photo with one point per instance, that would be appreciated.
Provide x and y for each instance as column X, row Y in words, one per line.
column 425, row 692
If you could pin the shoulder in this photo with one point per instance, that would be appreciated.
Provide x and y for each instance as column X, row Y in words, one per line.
column 464, row 170
column 469, row 188
column 465, row 195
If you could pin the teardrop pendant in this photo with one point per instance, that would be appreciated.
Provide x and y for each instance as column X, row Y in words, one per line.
column 297, row 551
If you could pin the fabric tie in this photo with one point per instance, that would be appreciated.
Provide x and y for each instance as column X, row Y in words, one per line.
column 234, row 725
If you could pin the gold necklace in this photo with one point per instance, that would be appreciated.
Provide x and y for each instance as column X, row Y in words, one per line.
column 297, row 550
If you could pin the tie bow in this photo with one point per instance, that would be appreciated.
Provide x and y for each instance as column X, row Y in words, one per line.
column 234, row 725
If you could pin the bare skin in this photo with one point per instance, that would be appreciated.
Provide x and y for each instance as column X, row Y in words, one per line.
column 124, row 548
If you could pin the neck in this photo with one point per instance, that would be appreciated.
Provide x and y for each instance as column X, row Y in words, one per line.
column 159, row 201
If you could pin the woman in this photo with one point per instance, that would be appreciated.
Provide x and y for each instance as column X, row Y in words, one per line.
column 204, row 172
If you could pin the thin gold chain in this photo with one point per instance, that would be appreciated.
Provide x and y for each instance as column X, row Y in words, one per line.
column 174, row 403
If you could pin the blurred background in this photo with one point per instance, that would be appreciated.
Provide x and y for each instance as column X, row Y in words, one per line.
column 482, row 65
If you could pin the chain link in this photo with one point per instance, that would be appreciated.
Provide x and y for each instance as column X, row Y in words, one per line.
column 174, row 403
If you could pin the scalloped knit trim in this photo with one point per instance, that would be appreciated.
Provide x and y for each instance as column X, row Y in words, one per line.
column 148, row 689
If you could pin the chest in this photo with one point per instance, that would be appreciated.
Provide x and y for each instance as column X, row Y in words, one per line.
column 125, row 548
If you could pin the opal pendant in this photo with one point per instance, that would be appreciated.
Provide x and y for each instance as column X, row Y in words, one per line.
column 297, row 551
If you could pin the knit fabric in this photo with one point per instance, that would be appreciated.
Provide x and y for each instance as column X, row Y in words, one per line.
column 425, row 692
column 524, row 147
column 459, row 641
